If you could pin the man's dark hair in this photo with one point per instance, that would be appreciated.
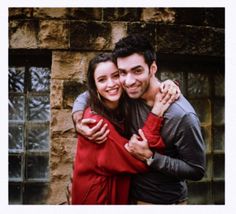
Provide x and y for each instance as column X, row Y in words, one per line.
column 135, row 43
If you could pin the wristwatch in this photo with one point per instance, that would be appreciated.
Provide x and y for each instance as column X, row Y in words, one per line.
column 149, row 160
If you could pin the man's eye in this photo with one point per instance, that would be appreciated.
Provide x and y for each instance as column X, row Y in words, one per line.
column 138, row 71
column 116, row 76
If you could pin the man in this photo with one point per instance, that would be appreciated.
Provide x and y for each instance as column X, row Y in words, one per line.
column 183, row 157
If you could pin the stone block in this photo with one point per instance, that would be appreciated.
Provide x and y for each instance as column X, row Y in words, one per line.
column 191, row 40
column 61, row 122
column 119, row 30
column 70, row 65
column 71, row 89
column 121, row 14
column 90, row 36
column 56, row 92
column 20, row 13
column 53, row 34
column 146, row 29
column 215, row 17
column 161, row 15
column 23, row 34
column 189, row 16
column 63, row 151
column 55, row 13
column 85, row 13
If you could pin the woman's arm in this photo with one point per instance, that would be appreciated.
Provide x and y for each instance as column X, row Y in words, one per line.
column 112, row 157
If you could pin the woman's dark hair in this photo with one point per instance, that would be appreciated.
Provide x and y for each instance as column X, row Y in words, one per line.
column 97, row 105
column 135, row 43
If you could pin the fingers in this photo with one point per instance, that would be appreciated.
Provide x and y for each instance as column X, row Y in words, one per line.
column 127, row 147
column 98, row 131
column 102, row 138
column 87, row 121
column 170, row 91
column 140, row 131
column 95, row 129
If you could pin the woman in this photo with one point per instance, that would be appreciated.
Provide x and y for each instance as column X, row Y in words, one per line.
column 102, row 171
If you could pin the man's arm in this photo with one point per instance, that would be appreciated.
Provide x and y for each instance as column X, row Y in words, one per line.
column 98, row 133
column 191, row 151
column 190, row 163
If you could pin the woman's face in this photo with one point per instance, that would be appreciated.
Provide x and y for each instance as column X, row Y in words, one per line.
column 108, row 84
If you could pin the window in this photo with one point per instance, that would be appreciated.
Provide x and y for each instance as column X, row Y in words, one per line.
column 202, row 82
column 29, row 117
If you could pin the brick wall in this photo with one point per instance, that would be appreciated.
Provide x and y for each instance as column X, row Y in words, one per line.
column 75, row 35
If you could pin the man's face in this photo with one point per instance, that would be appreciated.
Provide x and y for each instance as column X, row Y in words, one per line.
column 134, row 75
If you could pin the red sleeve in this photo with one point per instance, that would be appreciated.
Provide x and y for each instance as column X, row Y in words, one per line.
column 112, row 156
column 151, row 131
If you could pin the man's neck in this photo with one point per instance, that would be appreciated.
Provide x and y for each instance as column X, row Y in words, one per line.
column 154, row 88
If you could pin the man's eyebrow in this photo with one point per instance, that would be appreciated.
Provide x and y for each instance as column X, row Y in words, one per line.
column 134, row 68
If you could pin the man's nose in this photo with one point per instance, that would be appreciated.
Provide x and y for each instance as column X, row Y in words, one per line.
column 130, row 80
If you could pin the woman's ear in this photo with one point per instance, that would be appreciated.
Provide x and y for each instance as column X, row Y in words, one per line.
column 153, row 68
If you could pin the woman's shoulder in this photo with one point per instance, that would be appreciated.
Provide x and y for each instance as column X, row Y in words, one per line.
column 89, row 113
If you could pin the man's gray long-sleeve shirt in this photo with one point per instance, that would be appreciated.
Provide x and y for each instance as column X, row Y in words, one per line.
column 183, row 158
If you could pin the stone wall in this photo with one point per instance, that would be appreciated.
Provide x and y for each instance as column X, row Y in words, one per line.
column 75, row 35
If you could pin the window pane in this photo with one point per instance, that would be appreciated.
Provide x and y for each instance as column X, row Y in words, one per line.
column 16, row 137
column 15, row 194
column 199, row 192
column 40, row 79
column 37, row 167
column 16, row 107
column 218, row 138
column 164, row 75
column 39, row 108
column 35, row 193
column 198, row 85
column 38, row 138
column 16, row 79
column 219, row 112
column 218, row 166
column 219, row 192
column 15, row 162
column 219, row 84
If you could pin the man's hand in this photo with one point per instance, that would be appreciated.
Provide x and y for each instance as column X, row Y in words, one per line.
column 138, row 146
column 97, row 134
column 170, row 91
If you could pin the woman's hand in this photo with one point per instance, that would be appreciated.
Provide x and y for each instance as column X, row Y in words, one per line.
column 161, row 104
column 170, row 90
column 138, row 146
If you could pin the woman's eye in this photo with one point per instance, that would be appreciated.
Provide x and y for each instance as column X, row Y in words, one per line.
column 101, row 80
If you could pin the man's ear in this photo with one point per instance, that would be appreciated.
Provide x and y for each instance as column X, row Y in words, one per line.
column 153, row 68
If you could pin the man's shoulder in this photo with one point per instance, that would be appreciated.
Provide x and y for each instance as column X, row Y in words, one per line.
column 180, row 108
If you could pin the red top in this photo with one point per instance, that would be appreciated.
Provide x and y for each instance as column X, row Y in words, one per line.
column 102, row 171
